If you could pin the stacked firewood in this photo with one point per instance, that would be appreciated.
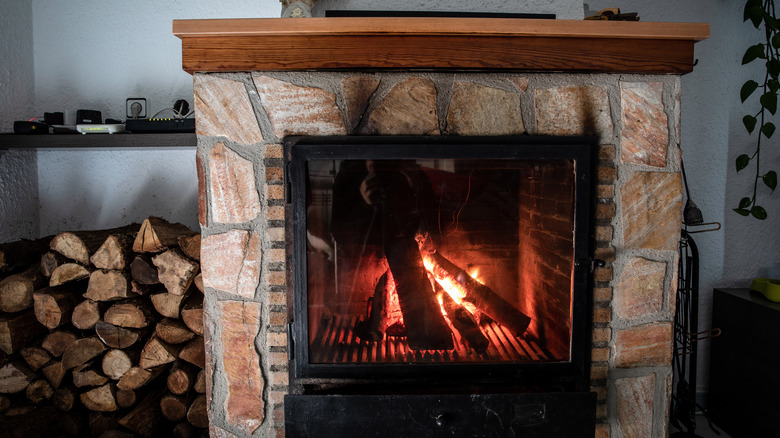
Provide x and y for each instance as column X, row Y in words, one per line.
column 101, row 334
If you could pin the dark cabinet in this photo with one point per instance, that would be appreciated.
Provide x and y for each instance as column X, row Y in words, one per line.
column 744, row 386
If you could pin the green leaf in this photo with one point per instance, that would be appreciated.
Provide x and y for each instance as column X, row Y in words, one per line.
column 753, row 52
column 769, row 101
column 773, row 85
column 747, row 89
column 745, row 202
column 773, row 68
column 771, row 22
column 758, row 212
column 755, row 14
column 776, row 41
column 770, row 179
column 750, row 123
column 748, row 5
column 768, row 129
column 742, row 211
column 742, row 161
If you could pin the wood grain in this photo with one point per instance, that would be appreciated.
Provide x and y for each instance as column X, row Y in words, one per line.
column 440, row 43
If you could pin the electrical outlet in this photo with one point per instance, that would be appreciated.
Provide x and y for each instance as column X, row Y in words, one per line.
column 136, row 108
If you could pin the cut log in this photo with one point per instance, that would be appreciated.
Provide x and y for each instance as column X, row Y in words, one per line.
column 108, row 286
column 18, row 255
column 57, row 342
column 39, row 391
column 373, row 329
column 115, row 252
column 185, row 430
column 167, row 304
column 51, row 261
column 198, row 282
column 54, row 305
column 425, row 325
column 181, row 378
column 18, row 330
column 116, row 363
column 174, row 407
column 126, row 398
column 194, row 352
column 157, row 235
column 15, row 377
column 54, row 373
column 190, row 246
column 173, row 331
column 481, row 296
column 137, row 377
column 86, row 314
column 200, row 382
column 80, row 245
column 175, row 271
column 197, row 414
column 16, row 290
column 192, row 313
column 63, row 399
column 464, row 323
column 81, row 352
column 88, row 375
column 30, row 421
column 116, row 337
column 146, row 418
column 5, row 403
column 36, row 357
column 133, row 313
column 101, row 422
column 156, row 353
column 143, row 271
column 68, row 272
column 100, row 399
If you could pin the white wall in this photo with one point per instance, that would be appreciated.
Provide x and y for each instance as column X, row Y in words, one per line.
column 712, row 137
column 564, row 9
column 18, row 174
column 94, row 54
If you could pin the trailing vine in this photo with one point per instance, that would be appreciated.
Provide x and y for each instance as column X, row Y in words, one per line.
column 761, row 12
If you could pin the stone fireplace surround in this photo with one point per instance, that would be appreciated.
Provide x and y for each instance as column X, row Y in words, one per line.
column 242, row 118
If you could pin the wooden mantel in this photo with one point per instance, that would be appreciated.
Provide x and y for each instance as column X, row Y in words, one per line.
column 287, row 44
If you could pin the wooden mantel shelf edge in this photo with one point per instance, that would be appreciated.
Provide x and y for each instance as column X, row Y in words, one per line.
column 277, row 44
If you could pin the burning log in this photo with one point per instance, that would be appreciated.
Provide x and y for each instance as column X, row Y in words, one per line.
column 464, row 323
column 476, row 293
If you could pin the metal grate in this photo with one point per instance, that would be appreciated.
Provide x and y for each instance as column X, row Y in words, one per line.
column 336, row 343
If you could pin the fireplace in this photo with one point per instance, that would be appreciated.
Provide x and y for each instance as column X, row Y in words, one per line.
column 258, row 82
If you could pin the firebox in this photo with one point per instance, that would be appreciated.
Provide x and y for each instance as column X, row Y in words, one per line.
column 454, row 266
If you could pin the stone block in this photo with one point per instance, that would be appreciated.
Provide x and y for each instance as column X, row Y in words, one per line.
column 522, row 83
column 408, row 109
column 574, row 110
column 635, row 405
column 644, row 345
column 231, row 261
column 603, row 315
column 602, row 294
column 479, row 110
column 652, row 210
column 295, row 110
column 602, row 430
column 218, row 432
column 357, row 94
column 234, row 196
column 203, row 198
column 273, row 151
column 240, row 325
column 640, row 288
column 223, row 109
column 645, row 135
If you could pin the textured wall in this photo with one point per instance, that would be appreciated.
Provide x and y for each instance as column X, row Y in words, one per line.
column 18, row 177
column 565, row 9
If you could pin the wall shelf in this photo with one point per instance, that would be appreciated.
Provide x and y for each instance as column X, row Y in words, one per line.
column 17, row 141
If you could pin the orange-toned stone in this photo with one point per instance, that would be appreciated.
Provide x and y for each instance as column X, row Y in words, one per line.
column 295, row 110
column 222, row 109
column 357, row 93
column 644, row 345
column 479, row 110
column 640, row 289
column 408, row 109
column 602, row 430
column 203, row 199
column 218, row 432
column 574, row 110
column 635, row 405
column 645, row 135
column 273, row 151
column 652, row 210
column 240, row 324
column 522, row 83
column 231, row 262
column 234, row 196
